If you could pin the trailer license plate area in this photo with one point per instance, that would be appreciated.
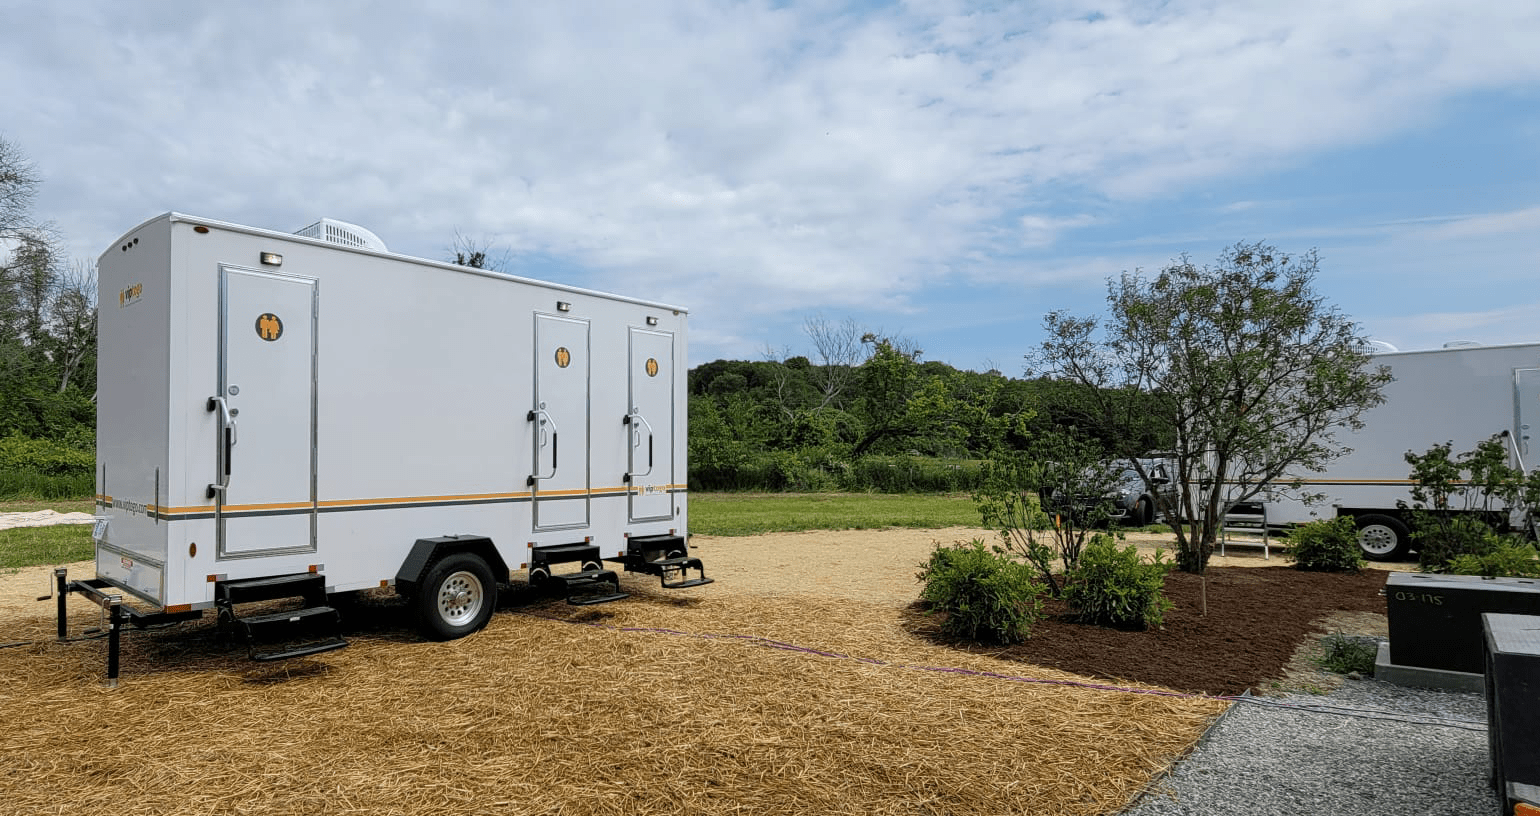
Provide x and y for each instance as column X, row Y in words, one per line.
column 99, row 529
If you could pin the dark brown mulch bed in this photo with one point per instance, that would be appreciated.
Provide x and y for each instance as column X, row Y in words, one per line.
column 1257, row 617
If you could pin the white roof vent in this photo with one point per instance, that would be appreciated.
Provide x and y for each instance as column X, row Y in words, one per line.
column 341, row 232
column 1460, row 343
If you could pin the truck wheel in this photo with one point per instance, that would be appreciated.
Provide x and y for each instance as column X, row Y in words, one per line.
column 1144, row 512
column 1383, row 538
column 456, row 597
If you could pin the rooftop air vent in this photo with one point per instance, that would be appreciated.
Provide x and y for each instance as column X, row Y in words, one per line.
column 1460, row 343
column 341, row 232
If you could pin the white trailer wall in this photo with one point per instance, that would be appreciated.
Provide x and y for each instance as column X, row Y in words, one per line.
column 425, row 376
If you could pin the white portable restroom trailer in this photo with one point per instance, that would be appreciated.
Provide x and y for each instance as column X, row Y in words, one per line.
column 1459, row 394
column 289, row 416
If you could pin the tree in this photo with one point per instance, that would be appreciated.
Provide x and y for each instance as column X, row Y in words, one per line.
column 47, row 319
column 1254, row 370
column 476, row 253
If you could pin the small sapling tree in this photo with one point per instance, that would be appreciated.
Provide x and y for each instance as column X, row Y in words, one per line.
column 1046, row 503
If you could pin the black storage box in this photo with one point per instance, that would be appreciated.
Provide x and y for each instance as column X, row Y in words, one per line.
column 1513, row 702
column 1435, row 620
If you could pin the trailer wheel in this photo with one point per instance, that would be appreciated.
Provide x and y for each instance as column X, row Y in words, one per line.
column 456, row 597
column 1383, row 538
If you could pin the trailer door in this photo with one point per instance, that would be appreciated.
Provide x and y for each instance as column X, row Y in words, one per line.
column 266, row 403
column 559, row 423
column 1526, row 384
column 650, row 458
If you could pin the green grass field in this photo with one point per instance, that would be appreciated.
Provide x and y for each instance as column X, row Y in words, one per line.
column 736, row 514
column 33, row 546
column 51, row 546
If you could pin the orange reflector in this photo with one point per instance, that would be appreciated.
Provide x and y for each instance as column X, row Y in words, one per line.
column 385, row 583
column 314, row 569
column 201, row 230
column 1526, row 809
column 213, row 578
column 179, row 608
column 523, row 566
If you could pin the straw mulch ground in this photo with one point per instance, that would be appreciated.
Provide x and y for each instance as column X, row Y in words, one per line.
column 703, row 701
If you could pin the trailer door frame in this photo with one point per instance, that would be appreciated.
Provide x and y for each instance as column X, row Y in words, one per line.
column 266, row 451
column 650, row 425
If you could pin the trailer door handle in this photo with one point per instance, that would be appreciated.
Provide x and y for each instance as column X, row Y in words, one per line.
column 224, row 449
column 636, row 439
column 543, row 419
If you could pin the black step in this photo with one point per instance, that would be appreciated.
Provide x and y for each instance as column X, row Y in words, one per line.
column 590, row 600
column 309, row 585
column 297, row 632
column 257, row 625
column 301, row 650
column 682, row 565
column 575, row 584
column 565, row 553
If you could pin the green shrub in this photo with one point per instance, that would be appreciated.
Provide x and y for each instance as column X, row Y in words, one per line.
column 1442, row 538
column 46, row 457
column 1329, row 545
column 1115, row 587
column 986, row 596
column 1343, row 654
column 1516, row 560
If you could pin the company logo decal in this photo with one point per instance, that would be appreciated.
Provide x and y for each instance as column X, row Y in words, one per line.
column 652, row 367
column 563, row 357
column 130, row 295
column 269, row 327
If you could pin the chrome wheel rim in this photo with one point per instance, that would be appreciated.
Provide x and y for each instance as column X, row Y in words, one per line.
column 1377, row 539
column 460, row 597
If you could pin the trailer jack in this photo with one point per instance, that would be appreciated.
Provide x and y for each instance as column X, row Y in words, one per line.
column 115, row 615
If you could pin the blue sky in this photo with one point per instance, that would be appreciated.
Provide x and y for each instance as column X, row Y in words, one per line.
column 946, row 170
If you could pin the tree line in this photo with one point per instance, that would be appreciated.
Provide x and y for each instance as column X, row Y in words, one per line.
column 865, row 411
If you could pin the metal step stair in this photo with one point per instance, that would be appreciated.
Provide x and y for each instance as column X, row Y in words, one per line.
column 312, row 628
column 666, row 556
column 591, row 584
column 679, row 569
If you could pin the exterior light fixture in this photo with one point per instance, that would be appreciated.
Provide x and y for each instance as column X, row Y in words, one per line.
column 563, row 306
column 652, row 321
column 272, row 259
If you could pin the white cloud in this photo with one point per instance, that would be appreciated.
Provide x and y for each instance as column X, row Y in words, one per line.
column 750, row 158
column 1525, row 221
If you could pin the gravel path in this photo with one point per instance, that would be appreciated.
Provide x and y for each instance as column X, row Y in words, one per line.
column 1368, row 748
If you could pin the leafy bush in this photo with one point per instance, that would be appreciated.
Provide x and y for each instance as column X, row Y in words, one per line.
column 45, row 456
column 1442, row 539
column 1344, row 654
column 1329, row 545
column 44, row 469
column 1115, row 587
column 987, row 597
column 1516, row 560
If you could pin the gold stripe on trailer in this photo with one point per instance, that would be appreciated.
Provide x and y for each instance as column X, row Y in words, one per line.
column 171, row 513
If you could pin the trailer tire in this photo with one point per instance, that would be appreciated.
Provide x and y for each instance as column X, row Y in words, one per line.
column 456, row 597
column 1383, row 538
